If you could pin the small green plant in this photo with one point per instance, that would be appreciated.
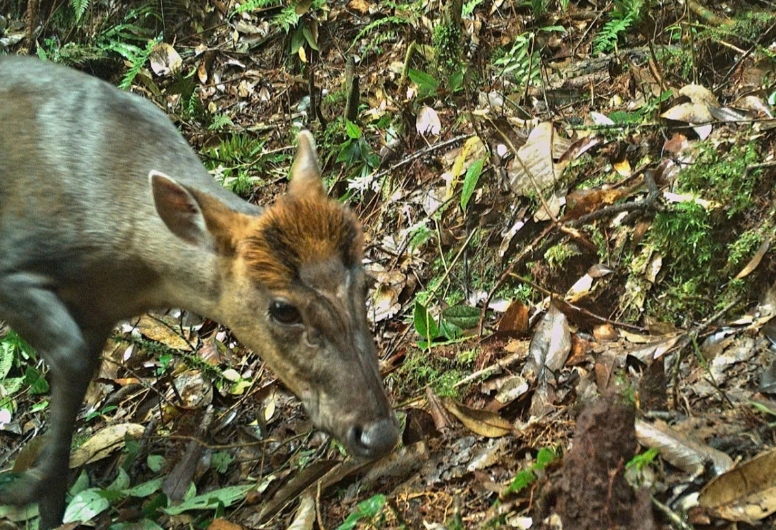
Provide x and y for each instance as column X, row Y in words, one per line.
column 236, row 162
column 521, row 62
column 447, row 41
column 366, row 511
column 470, row 181
column 743, row 248
column 558, row 255
column 428, row 86
column 642, row 460
column 626, row 15
column 356, row 153
column 684, row 234
column 99, row 413
column 526, row 477
column 449, row 327
column 291, row 19
column 724, row 176
column 17, row 357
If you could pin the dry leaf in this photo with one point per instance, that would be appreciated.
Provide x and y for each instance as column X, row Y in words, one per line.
column 161, row 330
column 550, row 345
column 165, row 60
column 679, row 449
column 755, row 261
column 482, row 422
column 428, row 122
column 532, row 169
column 223, row 524
column 746, row 493
column 515, row 318
column 305, row 514
column 105, row 442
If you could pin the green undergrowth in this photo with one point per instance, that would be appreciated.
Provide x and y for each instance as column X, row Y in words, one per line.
column 709, row 236
column 439, row 368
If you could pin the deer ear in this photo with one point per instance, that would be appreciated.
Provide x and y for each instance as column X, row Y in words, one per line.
column 306, row 174
column 179, row 210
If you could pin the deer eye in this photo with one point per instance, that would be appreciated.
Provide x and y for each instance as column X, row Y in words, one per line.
column 284, row 313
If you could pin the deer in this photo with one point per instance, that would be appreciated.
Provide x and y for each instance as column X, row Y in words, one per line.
column 106, row 212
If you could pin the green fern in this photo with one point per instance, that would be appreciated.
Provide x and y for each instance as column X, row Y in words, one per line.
column 626, row 14
column 137, row 58
column 79, row 8
column 252, row 5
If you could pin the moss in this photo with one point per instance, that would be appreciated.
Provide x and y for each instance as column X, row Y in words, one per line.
column 441, row 369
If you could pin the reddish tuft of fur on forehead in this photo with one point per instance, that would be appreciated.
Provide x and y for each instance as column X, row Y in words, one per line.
column 297, row 231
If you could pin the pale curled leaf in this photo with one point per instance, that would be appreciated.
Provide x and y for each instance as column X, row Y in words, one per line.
column 482, row 422
column 550, row 345
column 305, row 514
column 104, row 443
column 679, row 449
column 428, row 121
column 532, row 170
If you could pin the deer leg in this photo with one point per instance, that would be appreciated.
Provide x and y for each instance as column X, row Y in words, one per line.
column 35, row 312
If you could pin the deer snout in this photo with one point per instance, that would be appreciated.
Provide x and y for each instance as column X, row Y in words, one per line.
column 373, row 440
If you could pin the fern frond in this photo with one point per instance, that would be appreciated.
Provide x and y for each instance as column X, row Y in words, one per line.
column 79, row 7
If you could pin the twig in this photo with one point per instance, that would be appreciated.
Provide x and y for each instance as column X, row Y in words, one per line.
column 422, row 152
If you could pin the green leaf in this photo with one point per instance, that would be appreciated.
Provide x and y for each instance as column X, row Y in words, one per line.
column 470, row 181
column 121, row 482
column 366, row 509
column 79, row 7
column 155, row 462
column 463, row 316
column 211, row 500
column 146, row 489
column 81, row 484
column 353, row 131
column 85, row 506
column 36, row 381
column 297, row 40
column 308, row 35
column 426, row 84
column 143, row 524
column 6, row 358
column 424, row 322
column 545, row 457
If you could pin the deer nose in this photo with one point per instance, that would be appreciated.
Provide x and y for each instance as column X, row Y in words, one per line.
column 374, row 439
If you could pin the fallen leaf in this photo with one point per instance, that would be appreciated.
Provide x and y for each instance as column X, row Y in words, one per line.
column 679, row 449
column 428, row 121
column 746, row 493
column 165, row 60
column 756, row 259
column 482, row 422
column 105, row 442
column 305, row 514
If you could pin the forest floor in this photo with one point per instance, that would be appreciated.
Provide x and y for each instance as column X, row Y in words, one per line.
column 568, row 210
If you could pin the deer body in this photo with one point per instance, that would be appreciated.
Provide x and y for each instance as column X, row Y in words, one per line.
column 106, row 212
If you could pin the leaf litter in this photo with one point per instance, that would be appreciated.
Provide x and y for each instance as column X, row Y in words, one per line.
column 532, row 206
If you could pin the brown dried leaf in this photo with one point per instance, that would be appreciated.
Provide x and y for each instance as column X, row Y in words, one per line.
column 482, row 422
column 515, row 318
column 305, row 514
column 746, row 493
column 104, row 442
column 158, row 329
column 755, row 261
